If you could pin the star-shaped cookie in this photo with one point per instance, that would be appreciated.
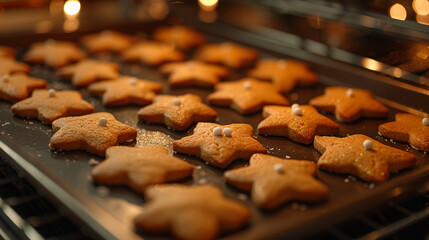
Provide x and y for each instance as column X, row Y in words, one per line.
column 140, row 167
column 153, row 53
column 190, row 212
column 93, row 132
column 107, row 40
column 125, row 90
column 408, row 128
column 349, row 104
column 193, row 73
column 246, row 95
column 16, row 87
column 228, row 54
column 54, row 53
column 285, row 74
column 184, row 38
column 48, row 106
column 361, row 156
column 177, row 112
column 6, row 52
column 219, row 145
column 88, row 71
column 9, row 66
column 273, row 181
column 298, row 125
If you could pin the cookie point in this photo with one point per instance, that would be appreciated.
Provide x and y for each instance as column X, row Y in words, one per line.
column 51, row 93
column 350, row 93
column 102, row 121
column 217, row 131
column 367, row 144
column 425, row 121
column 177, row 102
column 247, row 85
column 297, row 111
column 5, row 78
column 227, row 132
column 278, row 168
column 282, row 63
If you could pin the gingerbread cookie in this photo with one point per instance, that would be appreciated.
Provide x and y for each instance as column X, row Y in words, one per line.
column 361, row 156
column 88, row 71
column 298, row 123
column 6, row 52
column 49, row 105
column 408, row 128
column 125, row 90
column 153, row 53
column 285, row 74
column 140, row 167
column 54, row 53
column 190, row 212
column 16, row 87
column 93, row 132
column 227, row 53
column 193, row 73
column 184, row 38
column 349, row 104
column 273, row 181
column 107, row 40
column 177, row 112
column 246, row 95
column 220, row 145
column 9, row 66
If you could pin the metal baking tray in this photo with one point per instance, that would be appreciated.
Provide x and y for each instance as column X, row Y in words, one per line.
column 64, row 176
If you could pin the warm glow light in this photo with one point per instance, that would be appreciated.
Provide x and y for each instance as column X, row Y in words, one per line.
column 397, row 11
column 423, row 19
column 207, row 5
column 72, row 7
column 371, row 64
column 421, row 7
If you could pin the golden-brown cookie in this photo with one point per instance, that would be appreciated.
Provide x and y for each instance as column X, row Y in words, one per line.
column 19, row 86
column 49, row 105
column 140, row 167
column 93, row 132
column 246, row 95
column 361, row 156
column 190, row 212
column 6, row 52
column 107, row 40
column 183, row 37
column 177, row 112
column 228, row 54
column 9, row 66
column 408, row 128
column 298, row 123
column 125, row 90
column 54, row 53
column 349, row 104
column 285, row 74
column 219, row 145
column 273, row 181
column 153, row 53
column 193, row 73
column 88, row 71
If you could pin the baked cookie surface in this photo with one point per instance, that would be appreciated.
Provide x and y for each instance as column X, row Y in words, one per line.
column 19, row 86
column 153, row 53
column 183, row 37
column 219, row 145
column 408, row 128
column 228, row 54
column 190, row 212
column 9, row 66
column 273, row 181
column 107, row 40
column 49, row 105
column 361, row 156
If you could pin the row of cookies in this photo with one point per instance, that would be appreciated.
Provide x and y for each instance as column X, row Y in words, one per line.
column 226, row 133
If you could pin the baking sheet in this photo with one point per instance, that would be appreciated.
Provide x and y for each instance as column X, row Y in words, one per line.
column 109, row 211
